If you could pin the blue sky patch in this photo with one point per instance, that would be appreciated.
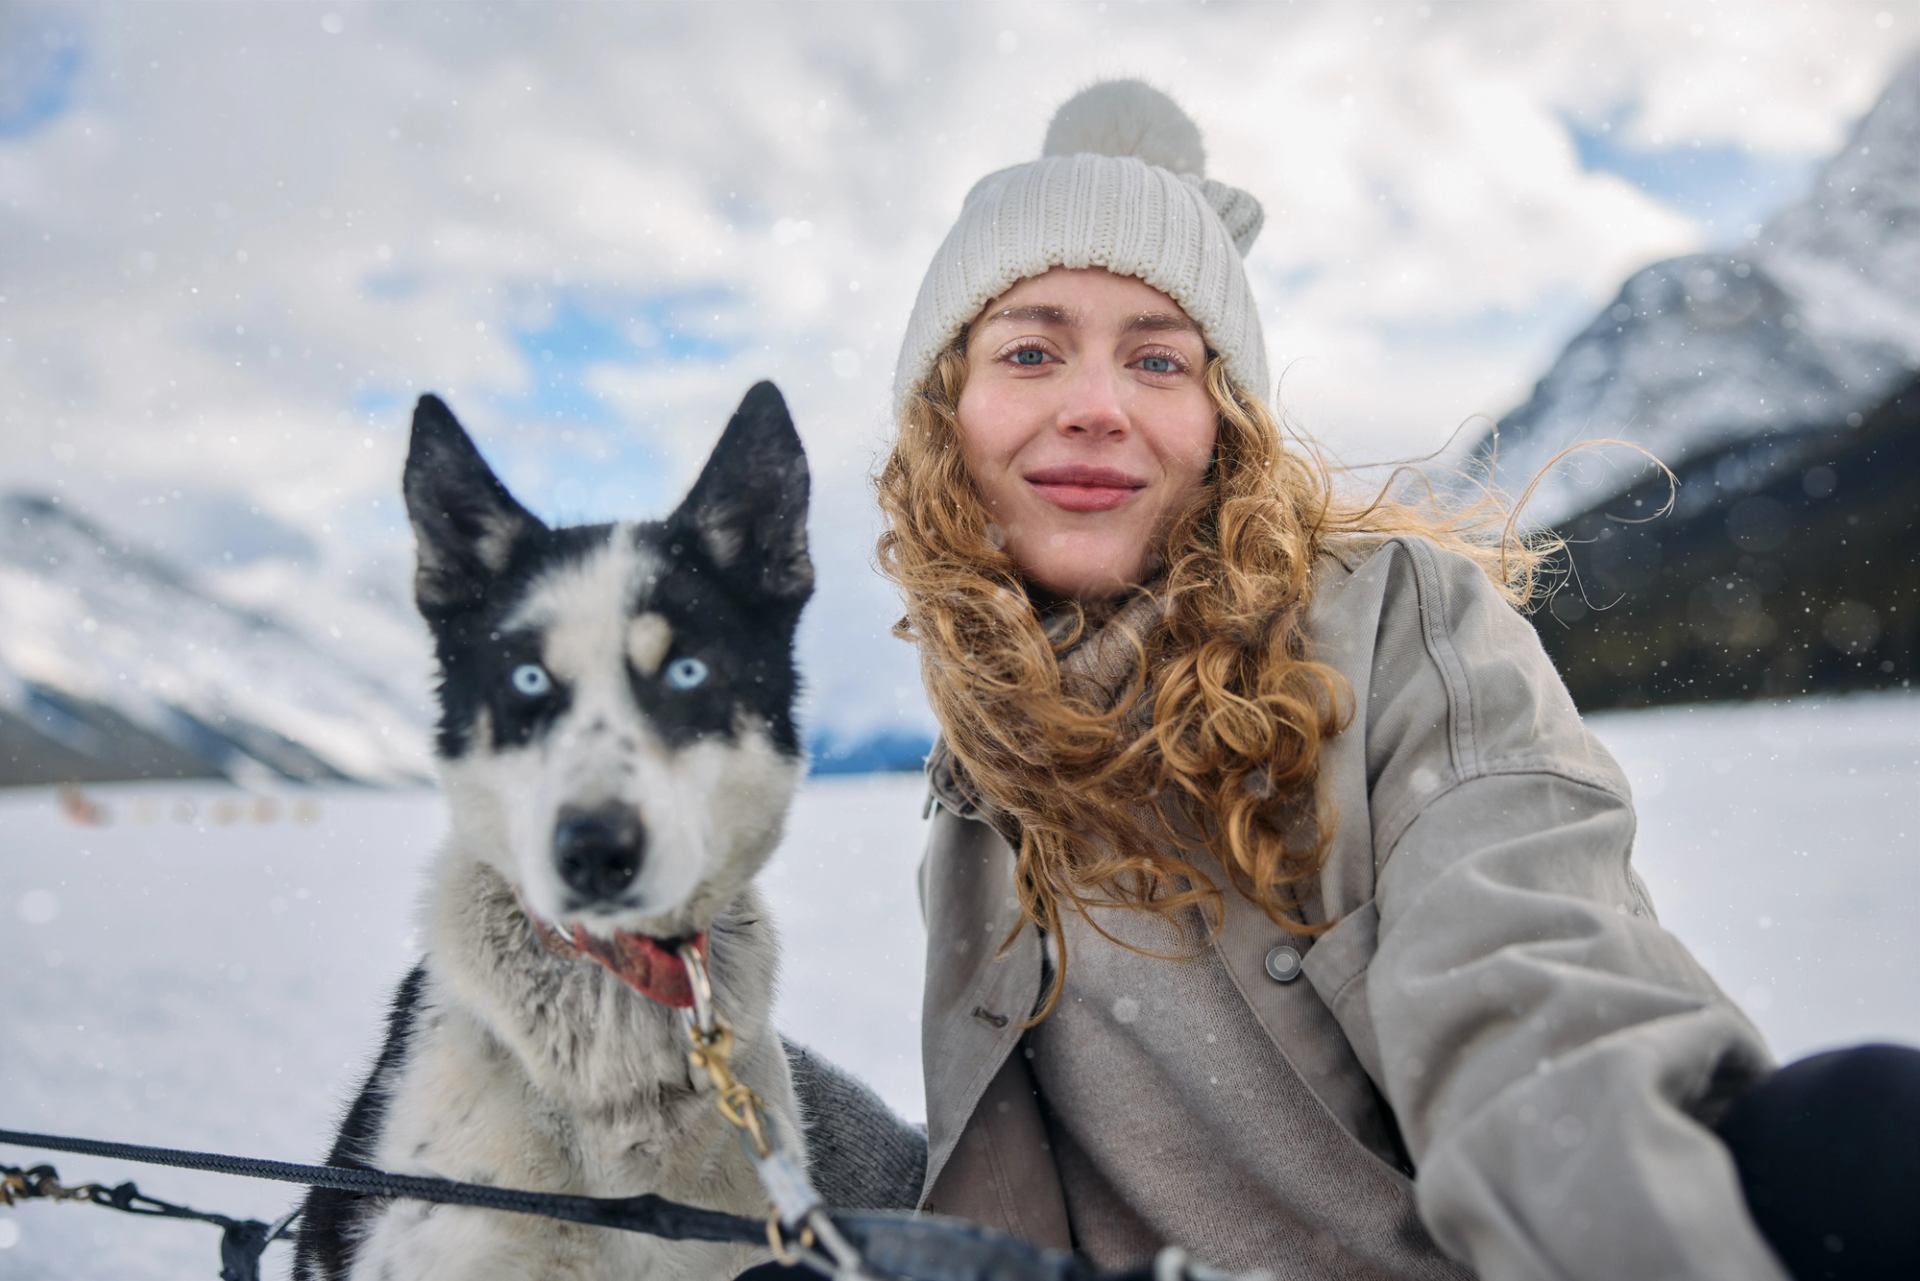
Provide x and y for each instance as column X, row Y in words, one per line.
column 378, row 404
column 580, row 331
column 1725, row 188
column 391, row 285
column 567, row 453
column 37, row 80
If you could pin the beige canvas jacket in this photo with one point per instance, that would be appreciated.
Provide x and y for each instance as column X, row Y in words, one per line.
column 1496, row 1001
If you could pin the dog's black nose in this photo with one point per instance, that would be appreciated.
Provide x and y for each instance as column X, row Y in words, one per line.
column 599, row 851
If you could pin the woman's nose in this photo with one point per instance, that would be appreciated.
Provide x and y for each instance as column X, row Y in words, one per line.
column 1092, row 405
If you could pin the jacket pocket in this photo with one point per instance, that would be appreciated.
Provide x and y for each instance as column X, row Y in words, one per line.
column 1322, row 1026
column 1337, row 965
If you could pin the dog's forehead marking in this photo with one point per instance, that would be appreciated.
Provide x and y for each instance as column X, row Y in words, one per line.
column 582, row 610
column 649, row 636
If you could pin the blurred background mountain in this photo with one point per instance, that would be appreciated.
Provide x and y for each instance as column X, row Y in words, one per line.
column 1782, row 384
column 116, row 664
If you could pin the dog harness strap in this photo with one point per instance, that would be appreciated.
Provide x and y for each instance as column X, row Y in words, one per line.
column 787, row 1187
column 797, row 1209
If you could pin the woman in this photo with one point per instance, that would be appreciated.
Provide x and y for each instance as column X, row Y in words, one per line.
column 1279, row 903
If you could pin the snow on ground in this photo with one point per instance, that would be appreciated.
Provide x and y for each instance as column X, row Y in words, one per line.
column 206, row 970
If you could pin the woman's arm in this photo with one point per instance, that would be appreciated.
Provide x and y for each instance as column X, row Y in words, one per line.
column 1553, row 1055
column 861, row 1155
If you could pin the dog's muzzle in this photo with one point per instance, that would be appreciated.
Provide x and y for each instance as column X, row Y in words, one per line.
column 655, row 969
column 598, row 851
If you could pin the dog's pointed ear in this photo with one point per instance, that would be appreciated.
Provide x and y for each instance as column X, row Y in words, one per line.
column 748, row 509
column 464, row 520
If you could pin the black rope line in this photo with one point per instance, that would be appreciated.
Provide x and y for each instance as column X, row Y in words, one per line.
column 653, row 1215
column 924, row 1247
column 242, row 1241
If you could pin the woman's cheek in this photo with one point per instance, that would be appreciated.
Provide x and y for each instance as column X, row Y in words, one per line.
column 1192, row 455
column 990, row 439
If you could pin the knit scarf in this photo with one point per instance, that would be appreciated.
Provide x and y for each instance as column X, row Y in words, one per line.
column 1097, row 667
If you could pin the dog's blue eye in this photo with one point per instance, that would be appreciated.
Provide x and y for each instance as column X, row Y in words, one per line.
column 530, row 680
column 686, row 673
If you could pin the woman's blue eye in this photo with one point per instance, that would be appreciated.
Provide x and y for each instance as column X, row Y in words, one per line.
column 530, row 680
column 686, row 673
column 1020, row 357
column 1160, row 364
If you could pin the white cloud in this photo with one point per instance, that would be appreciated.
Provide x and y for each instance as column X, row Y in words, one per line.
column 247, row 220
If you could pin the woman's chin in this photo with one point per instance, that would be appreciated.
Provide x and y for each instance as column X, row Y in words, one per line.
column 1085, row 578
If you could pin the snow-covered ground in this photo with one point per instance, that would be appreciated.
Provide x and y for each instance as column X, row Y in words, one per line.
column 206, row 969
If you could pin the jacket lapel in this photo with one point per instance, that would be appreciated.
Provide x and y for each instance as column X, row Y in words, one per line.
column 977, row 999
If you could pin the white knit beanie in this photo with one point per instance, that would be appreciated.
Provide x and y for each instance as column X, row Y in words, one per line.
column 1119, row 184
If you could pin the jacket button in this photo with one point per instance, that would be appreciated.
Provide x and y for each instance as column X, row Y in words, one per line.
column 985, row 1015
column 1283, row 964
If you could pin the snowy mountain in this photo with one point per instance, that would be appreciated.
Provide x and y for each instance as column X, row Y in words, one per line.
column 1809, row 326
column 117, row 664
column 1789, row 565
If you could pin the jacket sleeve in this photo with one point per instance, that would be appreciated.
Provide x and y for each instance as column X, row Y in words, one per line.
column 859, row 1154
column 1553, row 1056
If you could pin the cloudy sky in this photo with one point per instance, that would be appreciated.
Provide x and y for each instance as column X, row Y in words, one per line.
column 237, row 239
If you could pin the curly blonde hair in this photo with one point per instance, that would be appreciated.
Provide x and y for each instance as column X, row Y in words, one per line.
column 1116, row 790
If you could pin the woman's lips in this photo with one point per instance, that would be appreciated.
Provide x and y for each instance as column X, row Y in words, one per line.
column 1084, row 489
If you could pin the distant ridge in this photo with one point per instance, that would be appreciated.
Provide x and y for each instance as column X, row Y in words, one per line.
column 1790, row 566
column 1808, row 327
column 116, row 664
column 884, row 751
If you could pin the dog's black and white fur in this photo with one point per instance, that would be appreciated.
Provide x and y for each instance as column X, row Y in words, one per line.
column 618, row 750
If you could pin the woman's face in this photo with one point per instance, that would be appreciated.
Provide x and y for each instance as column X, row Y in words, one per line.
column 1085, row 423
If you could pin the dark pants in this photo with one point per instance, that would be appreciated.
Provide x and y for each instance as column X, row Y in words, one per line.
column 1828, row 1151
column 1829, row 1156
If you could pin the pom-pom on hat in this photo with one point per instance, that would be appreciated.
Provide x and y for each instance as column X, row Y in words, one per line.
column 1120, row 184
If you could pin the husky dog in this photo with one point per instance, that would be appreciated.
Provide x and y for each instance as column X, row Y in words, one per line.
column 618, row 750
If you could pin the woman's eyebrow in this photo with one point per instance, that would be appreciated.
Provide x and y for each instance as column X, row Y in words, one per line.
column 1056, row 316
column 1162, row 322
column 1043, row 313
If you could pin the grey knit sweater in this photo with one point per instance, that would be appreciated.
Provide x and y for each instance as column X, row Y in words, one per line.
column 861, row 1155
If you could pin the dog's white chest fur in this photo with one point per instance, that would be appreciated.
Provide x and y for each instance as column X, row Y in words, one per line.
column 526, row 1070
